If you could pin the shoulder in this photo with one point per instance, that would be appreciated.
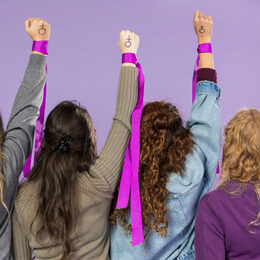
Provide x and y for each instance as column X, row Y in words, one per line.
column 213, row 202
column 27, row 195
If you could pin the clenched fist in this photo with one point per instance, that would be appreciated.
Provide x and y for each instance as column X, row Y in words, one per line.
column 38, row 29
column 128, row 42
column 203, row 27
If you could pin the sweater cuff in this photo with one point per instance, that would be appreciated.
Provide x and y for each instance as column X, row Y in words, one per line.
column 37, row 60
column 207, row 74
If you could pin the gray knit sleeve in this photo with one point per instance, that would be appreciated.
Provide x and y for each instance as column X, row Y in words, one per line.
column 108, row 167
column 20, row 128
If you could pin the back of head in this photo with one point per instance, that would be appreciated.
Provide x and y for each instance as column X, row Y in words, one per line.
column 165, row 142
column 68, row 148
column 241, row 151
column 241, row 154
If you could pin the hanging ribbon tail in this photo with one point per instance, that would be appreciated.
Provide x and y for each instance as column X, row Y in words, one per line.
column 125, row 183
column 202, row 48
column 194, row 79
column 130, row 174
column 38, row 136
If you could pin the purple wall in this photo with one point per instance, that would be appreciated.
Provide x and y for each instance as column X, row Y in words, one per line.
column 84, row 59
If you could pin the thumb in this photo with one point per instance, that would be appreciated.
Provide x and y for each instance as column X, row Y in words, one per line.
column 27, row 24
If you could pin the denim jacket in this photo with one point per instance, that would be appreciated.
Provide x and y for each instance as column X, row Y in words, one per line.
column 185, row 188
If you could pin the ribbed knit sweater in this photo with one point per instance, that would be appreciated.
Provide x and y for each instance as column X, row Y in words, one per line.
column 91, row 237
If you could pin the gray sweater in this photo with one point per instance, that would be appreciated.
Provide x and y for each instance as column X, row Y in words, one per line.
column 90, row 240
column 19, row 140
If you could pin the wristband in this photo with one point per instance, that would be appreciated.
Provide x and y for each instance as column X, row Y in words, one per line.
column 40, row 46
column 129, row 184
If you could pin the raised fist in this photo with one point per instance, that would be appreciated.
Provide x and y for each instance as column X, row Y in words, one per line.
column 128, row 42
column 38, row 29
column 203, row 27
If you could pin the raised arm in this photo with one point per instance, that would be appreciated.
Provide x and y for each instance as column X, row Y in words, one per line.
column 204, row 121
column 20, row 128
column 107, row 168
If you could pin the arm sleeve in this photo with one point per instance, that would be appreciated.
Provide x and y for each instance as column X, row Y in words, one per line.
column 204, row 123
column 207, row 74
column 209, row 236
column 20, row 128
column 20, row 244
column 108, row 166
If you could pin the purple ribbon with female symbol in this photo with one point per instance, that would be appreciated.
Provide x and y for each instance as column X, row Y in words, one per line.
column 130, row 178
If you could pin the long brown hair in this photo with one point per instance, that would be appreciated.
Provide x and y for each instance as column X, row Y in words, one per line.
column 68, row 148
column 2, row 157
column 165, row 142
column 241, row 153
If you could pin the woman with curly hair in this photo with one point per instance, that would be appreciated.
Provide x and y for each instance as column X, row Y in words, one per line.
column 177, row 167
column 228, row 219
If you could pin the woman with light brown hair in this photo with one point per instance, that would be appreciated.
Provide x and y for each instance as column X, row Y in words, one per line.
column 62, row 211
column 228, row 219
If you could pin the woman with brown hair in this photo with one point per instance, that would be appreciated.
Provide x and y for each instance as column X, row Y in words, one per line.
column 17, row 142
column 177, row 167
column 228, row 219
column 62, row 212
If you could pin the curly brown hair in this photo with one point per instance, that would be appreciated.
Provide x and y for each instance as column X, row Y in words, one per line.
column 165, row 142
column 241, row 153
column 58, row 171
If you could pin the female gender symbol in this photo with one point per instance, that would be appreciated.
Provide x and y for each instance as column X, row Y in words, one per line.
column 42, row 30
column 128, row 43
column 202, row 29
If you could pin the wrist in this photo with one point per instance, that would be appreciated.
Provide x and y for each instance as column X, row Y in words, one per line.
column 204, row 40
column 36, row 52
column 128, row 51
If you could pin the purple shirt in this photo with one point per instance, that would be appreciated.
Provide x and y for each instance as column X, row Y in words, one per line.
column 221, row 230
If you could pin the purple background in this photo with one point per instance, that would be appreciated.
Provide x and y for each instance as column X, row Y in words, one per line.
column 84, row 59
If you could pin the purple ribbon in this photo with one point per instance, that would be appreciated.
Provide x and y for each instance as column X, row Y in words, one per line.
column 42, row 47
column 202, row 48
column 130, row 177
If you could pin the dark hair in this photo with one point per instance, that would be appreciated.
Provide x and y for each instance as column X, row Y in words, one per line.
column 58, row 169
column 165, row 142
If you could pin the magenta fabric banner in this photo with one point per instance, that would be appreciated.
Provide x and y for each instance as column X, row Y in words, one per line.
column 130, row 178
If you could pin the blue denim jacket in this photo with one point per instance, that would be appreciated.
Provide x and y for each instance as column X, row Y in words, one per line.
column 185, row 189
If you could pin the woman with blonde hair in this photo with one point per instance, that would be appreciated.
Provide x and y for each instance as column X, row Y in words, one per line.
column 228, row 219
column 16, row 142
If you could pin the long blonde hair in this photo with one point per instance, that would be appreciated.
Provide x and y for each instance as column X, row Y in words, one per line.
column 2, row 156
column 241, row 153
